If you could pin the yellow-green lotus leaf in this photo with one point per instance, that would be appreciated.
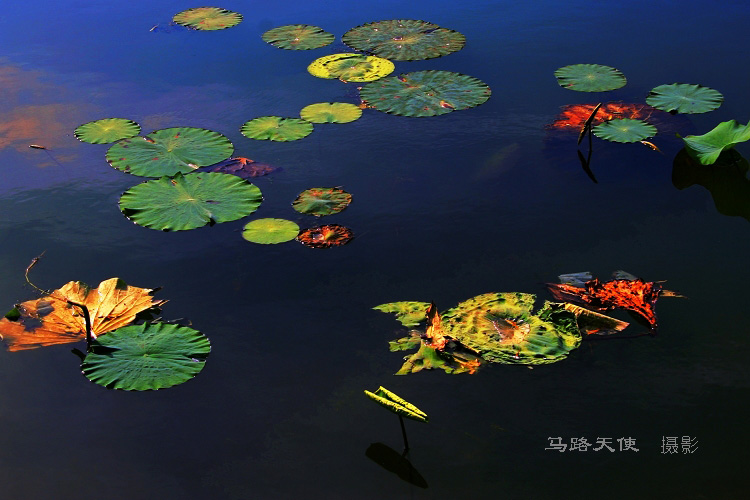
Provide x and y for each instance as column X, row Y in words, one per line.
column 349, row 67
column 330, row 112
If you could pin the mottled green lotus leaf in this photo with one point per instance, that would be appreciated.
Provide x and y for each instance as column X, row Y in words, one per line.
column 684, row 98
column 502, row 328
column 707, row 147
column 322, row 201
column 190, row 201
column 207, row 18
column 624, row 130
column 270, row 231
column 349, row 67
column 276, row 128
column 396, row 404
column 425, row 93
column 404, row 39
column 590, row 78
column 107, row 130
column 146, row 357
column 169, row 151
column 408, row 313
column 298, row 37
column 451, row 361
column 330, row 112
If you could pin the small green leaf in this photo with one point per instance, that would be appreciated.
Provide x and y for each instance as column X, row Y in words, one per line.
column 408, row 313
column 725, row 135
column 590, row 78
column 298, row 37
column 404, row 39
column 624, row 130
column 330, row 112
column 270, row 231
column 396, row 404
column 107, row 130
column 276, row 128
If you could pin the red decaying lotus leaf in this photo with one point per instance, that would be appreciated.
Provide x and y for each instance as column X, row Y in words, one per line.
column 573, row 116
column 330, row 235
column 242, row 167
column 434, row 334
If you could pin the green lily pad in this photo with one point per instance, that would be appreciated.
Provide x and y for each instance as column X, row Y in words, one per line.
column 276, row 128
column 707, row 147
column 270, row 231
column 169, row 151
column 590, row 78
column 330, row 112
column 684, row 98
column 349, row 67
column 408, row 313
column 425, row 93
column 298, row 37
column 396, row 404
column 207, row 18
column 190, row 201
column 624, row 130
column 107, row 130
column 404, row 39
column 322, row 201
column 146, row 357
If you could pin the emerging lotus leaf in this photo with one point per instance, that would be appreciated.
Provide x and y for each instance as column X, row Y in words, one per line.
column 270, row 231
column 590, row 78
column 684, row 98
column 107, row 130
column 330, row 235
column 707, row 147
column 298, row 37
column 624, row 130
column 52, row 320
column 425, row 93
column 207, row 18
column 322, row 201
column 396, row 404
column 242, row 167
column 276, row 128
column 146, row 357
column 404, row 39
column 169, row 151
column 408, row 313
column 190, row 201
column 330, row 112
column 349, row 67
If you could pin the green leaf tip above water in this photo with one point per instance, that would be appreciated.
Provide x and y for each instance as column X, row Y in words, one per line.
column 107, row 130
column 396, row 404
column 624, row 130
column 322, row 201
column 408, row 313
column 330, row 112
column 270, row 231
column 207, row 18
column 276, row 128
column 684, row 98
column 404, row 39
column 298, row 37
column 590, row 77
column 707, row 147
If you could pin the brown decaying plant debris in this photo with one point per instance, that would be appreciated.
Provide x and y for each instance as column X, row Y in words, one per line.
column 326, row 236
column 574, row 116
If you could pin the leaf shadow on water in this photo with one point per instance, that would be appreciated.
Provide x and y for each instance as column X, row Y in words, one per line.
column 394, row 462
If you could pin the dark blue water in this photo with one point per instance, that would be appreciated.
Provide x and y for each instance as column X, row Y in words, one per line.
column 445, row 208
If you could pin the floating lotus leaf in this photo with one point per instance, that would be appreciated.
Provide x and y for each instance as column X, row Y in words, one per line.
column 107, row 130
column 396, row 404
column 452, row 359
column 242, row 167
column 330, row 235
column 190, row 201
column 684, row 98
column 146, row 357
column 330, row 112
column 351, row 67
column 169, row 151
column 298, row 37
column 624, row 130
column 269, row 231
column 322, row 201
column 590, row 78
column 501, row 328
column 276, row 128
column 408, row 313
column 208, row 18
column 707, row 147
column 404, row 39
column 425, row 93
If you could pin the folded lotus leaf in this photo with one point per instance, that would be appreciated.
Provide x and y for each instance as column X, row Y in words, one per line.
column 707, row 147
column 298, row 37
column 425, row 93
column 408, row 313
column 684, row 98
column 590, row 78
column 146, row 357
column 350, row 67
column 329, row 235
column 396, row 404
column 207, row 18
column 270, row 231
column 276, row 128
column 591, row 322
column 169, row 151
column 404, row 39
column 190, row 201
column 330, row 112
column 107, row 130
column 624, row 130
column 322, row 201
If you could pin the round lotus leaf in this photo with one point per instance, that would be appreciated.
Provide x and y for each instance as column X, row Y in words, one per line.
column 276, row 128
column 351, row 67
column 107, row 130
column 684, row 98
column 268, row 231
column 298, row 37
column 425, row 93
column 404, row 39
column 169, row 151
column 146, row 357
column 502, row 328
column 330, row 235
column 624, row 130
column 590, row 78
column 322, row 201
column 208, row 18
column 330, row 112
column 190, row 201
